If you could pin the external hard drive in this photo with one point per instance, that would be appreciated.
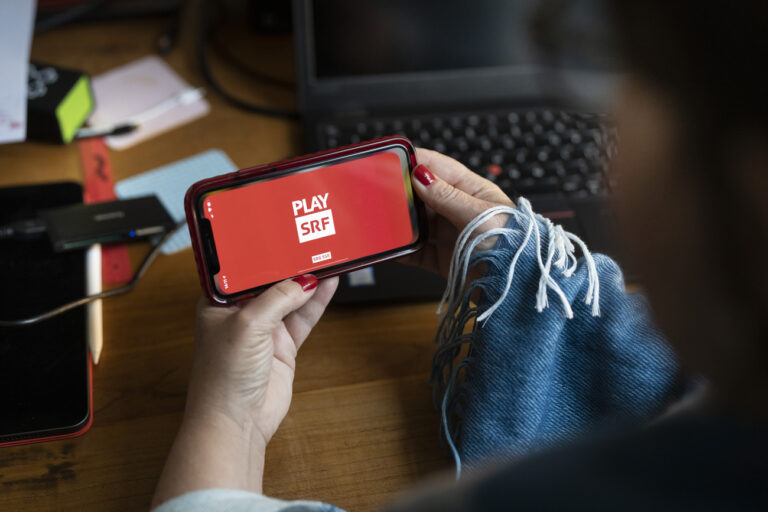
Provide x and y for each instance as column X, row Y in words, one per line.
column 82, row 225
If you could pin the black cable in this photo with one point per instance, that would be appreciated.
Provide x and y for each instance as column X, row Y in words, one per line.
column 226, row 54
column 148, row 259
column 167, row 39
column 202, row 59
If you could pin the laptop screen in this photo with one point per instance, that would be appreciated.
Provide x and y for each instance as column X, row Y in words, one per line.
column 353, row 38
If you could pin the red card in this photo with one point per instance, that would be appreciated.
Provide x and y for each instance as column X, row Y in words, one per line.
column 98, row 186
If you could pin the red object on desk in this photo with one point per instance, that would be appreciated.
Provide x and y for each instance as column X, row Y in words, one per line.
column 98, row 186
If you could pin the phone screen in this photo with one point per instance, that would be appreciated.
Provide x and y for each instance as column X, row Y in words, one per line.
column 311, row 219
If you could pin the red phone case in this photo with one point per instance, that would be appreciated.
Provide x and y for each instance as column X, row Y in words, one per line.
column 249, row 173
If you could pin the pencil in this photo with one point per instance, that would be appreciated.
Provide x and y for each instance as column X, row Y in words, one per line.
column 93, row 286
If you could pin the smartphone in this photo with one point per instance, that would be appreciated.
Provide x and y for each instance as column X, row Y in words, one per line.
column 325, row 214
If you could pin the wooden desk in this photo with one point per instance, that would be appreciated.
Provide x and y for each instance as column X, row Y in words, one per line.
column 361, row 426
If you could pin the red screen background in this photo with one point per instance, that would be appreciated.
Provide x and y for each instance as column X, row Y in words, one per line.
column 256, row 236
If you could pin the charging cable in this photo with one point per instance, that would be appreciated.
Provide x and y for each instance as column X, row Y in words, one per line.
column 145, row 264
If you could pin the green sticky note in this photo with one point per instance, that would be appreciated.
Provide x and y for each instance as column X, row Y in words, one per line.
column 74, row 109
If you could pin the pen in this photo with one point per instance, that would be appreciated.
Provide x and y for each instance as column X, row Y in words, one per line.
column 93, row 286
column 120, row 129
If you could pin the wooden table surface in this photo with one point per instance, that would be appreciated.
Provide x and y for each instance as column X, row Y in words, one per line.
column 361, row 426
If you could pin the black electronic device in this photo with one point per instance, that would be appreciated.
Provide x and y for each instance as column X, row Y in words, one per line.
column 81, row 225
column 45, row 369
column 463, row 79
column 59, row 101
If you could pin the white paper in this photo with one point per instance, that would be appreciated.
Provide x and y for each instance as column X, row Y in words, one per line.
column 128, row 91
column 16, row 20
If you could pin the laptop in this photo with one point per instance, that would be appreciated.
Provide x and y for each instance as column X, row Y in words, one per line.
column 460, row 78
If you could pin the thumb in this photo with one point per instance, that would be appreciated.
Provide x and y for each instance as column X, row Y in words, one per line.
column 458, row 207
column 273, row 305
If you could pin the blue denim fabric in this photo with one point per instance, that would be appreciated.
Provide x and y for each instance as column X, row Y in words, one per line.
column 534, row 378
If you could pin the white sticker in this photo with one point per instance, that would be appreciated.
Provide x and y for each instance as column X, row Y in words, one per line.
column 317, row 258
column 362, row 277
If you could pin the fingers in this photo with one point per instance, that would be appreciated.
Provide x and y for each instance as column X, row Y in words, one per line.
column 447, row 200
column 456, row 174
column 268, row 309
column 300, row 322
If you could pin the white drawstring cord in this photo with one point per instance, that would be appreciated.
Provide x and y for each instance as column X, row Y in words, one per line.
column 560, row 252
column 593, row 290
column 459, row 248
column 510, row 275
column 546, row 281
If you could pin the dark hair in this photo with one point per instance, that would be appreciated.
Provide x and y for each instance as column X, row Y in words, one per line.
column 707, row 57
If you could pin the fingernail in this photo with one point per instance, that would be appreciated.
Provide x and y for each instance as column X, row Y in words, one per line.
column 307, row 282
column 423, row 174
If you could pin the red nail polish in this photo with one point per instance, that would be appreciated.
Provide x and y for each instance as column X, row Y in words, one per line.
column 307, row 282
column 423, row 174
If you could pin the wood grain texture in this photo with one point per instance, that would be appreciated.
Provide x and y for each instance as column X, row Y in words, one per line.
column 361, row 426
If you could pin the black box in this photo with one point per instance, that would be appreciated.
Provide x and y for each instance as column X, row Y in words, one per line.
column 58, row 102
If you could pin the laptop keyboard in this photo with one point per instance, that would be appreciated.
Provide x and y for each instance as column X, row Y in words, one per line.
column 525, row 152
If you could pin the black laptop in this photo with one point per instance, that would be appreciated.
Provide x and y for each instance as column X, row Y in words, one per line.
column 460, row 78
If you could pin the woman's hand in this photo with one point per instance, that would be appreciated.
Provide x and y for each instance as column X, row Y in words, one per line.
column 454, row 196
column 241, row 386
column 245, row 356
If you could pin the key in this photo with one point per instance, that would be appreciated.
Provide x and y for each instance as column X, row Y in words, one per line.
column 461, row 144
column 530, row 141
column 512, row 172
column 493, row 170
column 508, row 142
